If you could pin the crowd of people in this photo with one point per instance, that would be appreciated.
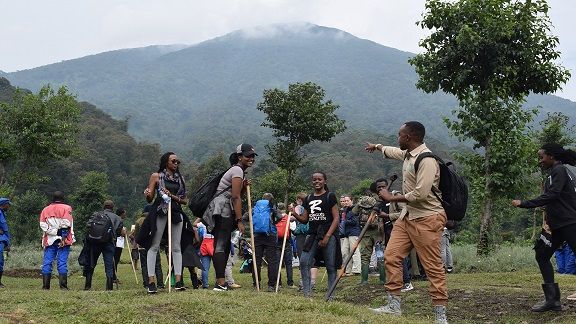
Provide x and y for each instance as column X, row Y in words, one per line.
column 399, row 233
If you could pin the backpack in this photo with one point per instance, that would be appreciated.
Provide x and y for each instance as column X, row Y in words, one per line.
column 202, row 197
column 454, row 189
column 100, row 227
column 262, row 218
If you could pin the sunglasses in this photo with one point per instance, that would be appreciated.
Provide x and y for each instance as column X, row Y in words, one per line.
column 175, row 161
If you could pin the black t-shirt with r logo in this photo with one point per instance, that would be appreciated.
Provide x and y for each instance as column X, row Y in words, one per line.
column 319, row 210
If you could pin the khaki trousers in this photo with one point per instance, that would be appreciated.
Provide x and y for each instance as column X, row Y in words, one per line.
column 424, row 234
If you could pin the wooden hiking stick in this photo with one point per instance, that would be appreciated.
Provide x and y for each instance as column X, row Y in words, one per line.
column 282, row 254
column 131, row 261
column 254, row 268
column 170, row 242
column 355, row 246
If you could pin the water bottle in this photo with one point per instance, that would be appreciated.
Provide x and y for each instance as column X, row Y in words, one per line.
column 379, row 252
column 164, row 196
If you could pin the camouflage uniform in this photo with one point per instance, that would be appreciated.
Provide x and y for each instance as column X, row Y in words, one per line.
column 365, row 206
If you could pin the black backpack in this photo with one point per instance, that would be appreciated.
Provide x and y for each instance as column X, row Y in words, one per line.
column 100, row 227
column 202, row 197
column 454, row 189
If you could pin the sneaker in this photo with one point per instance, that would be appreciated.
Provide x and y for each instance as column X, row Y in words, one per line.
column 449, row 270
column 407, row 287
column 179, row 286
column 393, row 307
column 293, row 286
column 152, row 288
column 217, row 287
column 272, row 289
column 162, row 286
column 571, row 297
column 234, row 286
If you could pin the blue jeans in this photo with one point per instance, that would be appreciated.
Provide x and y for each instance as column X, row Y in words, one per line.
column 287, row 260
column 205, row 259
column 307, row 261
column 107, row 251
column 60, row 254
column 2, row 256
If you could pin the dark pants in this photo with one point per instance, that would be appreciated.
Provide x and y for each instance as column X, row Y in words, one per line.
column 117, row 255
column 222, row 235
column 287, row 260
column 144, row 267
column 107, row 251
column 266, row 244
column 544, row 251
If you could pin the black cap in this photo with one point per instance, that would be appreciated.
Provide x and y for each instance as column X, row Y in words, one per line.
column 245, row 149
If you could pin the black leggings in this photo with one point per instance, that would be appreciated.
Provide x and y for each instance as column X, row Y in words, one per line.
column 222, row 234
column 545, row 252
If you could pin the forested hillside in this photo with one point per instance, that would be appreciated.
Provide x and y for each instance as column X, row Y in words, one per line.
column 202, row 98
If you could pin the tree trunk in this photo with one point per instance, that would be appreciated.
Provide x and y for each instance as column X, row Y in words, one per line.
column 484, row 240
column 289, row 177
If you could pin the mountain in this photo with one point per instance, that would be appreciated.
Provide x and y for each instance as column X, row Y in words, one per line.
column 202, row 98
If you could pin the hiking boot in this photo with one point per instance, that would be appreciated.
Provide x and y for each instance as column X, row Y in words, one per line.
column 179, row 286
column 234, row 286
column 272, row 289
column 152, row 288
column 393, row 307
column 552, row 299
column 46, row 281
column 407, row 287
column 218, row 287
column 440, row 315
column 63, row 281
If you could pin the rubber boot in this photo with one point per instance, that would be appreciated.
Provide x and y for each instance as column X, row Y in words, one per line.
column 63, row 278
column 109, row 283
column 46, row 281
column 88, row 283
column 552, row 299
column 382, row 272
column 365, row 272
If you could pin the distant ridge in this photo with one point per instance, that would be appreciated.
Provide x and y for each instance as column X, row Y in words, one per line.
column 202, row 98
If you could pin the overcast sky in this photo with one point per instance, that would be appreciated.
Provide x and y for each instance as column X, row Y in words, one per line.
column 40, row 32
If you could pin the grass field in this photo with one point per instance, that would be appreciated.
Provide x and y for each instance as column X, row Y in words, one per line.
column 503, row 296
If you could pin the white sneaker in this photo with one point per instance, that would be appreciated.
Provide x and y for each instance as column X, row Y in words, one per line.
column 407, row 287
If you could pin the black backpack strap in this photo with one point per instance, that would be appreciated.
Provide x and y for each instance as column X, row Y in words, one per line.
column 419, row 158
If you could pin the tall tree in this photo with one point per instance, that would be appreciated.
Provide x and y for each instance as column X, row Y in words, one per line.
column 490, row 54
column 298, row 117
column 37, row 128
column 88, row 199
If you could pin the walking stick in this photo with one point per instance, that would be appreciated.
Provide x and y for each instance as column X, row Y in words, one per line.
column 282, row 254
column 131, row 261
column 254, row 268
column 355, row 246
column 169, row 242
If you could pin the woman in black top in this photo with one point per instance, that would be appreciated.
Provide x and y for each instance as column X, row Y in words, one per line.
column 167, row 184
column 559, row 201
column 321, row 211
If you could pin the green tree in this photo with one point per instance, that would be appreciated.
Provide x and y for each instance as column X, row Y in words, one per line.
column 24, row 217
column 297, row 117
column 89, row 198
column 37, row 128
column 490, row 54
